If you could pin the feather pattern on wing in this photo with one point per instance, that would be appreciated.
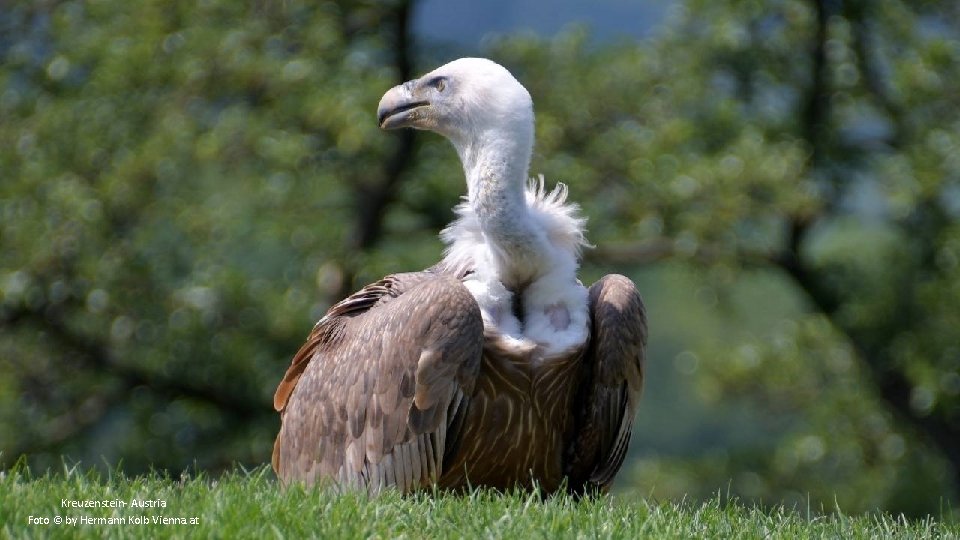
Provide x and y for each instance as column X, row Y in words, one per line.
column 371, row 407
column 612, row 382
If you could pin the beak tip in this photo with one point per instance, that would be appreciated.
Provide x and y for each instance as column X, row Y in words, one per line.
column 393, row 109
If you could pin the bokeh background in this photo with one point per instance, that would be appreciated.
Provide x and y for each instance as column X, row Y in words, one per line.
column 186, row 186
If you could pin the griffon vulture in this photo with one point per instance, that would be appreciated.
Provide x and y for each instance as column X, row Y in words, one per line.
column 495, row 367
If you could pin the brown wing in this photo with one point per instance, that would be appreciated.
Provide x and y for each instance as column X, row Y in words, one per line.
column 329, row 328
column 612, row 381
column 368, row 400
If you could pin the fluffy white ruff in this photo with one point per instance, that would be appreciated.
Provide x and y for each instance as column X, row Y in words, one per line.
column 555, row 313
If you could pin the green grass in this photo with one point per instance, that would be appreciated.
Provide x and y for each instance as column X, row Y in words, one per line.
column 250, row 505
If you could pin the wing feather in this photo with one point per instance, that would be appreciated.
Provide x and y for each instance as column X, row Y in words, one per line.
column 613, row 381
column 366, row 401
column 329, row 329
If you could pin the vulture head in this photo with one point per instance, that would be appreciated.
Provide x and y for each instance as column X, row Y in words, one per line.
column 469, row 101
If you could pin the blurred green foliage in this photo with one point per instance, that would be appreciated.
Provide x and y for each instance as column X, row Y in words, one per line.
column 186, row 186
column 175, row 192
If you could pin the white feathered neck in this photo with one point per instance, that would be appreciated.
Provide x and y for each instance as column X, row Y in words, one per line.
column 560, row 222
column 504, row 232
column 520, row 242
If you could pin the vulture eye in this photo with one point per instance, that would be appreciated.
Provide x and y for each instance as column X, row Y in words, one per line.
column 439, row 83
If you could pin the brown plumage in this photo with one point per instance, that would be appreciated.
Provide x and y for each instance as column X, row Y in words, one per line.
column 493, row 368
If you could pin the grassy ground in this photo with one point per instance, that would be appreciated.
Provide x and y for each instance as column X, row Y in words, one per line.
column 250, row 505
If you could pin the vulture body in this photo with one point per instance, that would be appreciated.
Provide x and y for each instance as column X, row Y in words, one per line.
column 493, row 368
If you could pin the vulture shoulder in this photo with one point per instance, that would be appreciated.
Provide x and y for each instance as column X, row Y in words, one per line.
column 611, row 384
column 372, row 397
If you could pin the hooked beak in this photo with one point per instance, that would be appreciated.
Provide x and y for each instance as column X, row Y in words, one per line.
column 400, row 108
